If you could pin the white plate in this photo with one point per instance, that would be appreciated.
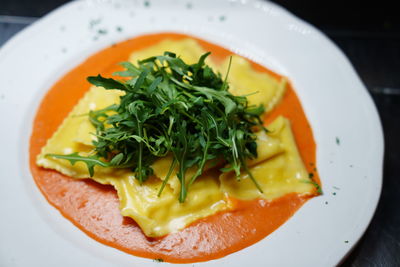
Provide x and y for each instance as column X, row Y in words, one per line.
column 322, row 232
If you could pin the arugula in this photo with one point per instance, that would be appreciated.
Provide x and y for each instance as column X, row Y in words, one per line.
column 172, row 108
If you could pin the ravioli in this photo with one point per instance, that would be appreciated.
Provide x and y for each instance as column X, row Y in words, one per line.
column 259, row 87
column 187, row 49
column 75, row 134
column 279, row 172
column 278, row 167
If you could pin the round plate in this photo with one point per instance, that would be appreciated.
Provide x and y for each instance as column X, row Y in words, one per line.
column 343, row 117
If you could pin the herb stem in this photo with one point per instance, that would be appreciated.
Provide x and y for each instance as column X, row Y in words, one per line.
column 140, row 154
column 165, row 181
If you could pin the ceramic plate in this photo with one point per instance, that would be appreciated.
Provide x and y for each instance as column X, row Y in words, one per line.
column 343, row 117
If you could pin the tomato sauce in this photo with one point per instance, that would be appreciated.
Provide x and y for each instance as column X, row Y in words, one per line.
column 93, row 208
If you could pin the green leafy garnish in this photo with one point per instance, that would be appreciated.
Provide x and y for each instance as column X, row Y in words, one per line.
column 315, row 184
column 172, row 108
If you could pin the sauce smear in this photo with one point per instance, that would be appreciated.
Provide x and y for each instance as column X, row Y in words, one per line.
column 94, row 208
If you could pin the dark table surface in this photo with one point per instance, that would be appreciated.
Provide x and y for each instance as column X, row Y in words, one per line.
column 369, row 34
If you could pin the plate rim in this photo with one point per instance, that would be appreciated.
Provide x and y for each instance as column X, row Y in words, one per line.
column 31, row 29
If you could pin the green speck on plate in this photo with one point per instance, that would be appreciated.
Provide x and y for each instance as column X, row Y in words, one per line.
column 337, row 141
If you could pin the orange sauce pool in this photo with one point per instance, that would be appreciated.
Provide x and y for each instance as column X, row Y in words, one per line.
column 93, row 208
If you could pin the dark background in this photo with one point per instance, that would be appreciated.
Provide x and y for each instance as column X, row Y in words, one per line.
column 369, row 34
